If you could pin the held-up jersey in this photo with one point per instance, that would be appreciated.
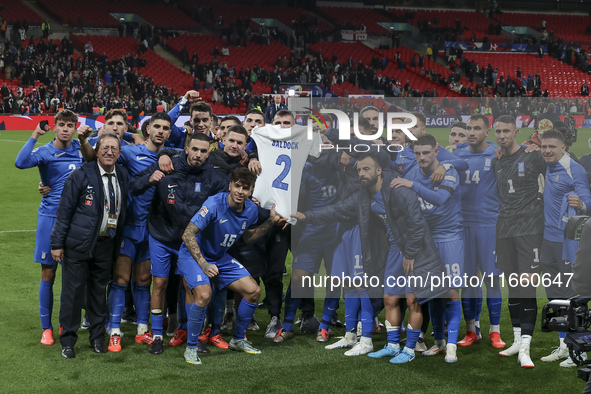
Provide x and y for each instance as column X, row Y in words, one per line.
column 441, row 206
column 564, row 177
column 521, row 210
column 283, row 154
column 220, row 225
column 137, row 158
column 480, row 196
column 55, row 165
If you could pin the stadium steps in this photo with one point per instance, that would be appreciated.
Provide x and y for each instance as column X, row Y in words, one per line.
column 166, row 54
column 58, row 31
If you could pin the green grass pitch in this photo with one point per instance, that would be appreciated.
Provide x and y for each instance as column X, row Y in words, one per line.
column 300, row 365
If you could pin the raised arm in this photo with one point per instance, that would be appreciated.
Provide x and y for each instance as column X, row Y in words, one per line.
column 25, row 158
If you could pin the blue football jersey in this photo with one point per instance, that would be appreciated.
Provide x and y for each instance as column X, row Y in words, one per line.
column 406, row 160
column 220, row 225
column 137, row 158
column 319, row 186
column 55, row 165
column 441, row 206
column 480, row 196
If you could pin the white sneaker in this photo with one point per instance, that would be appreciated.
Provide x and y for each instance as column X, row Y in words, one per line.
column 569, row 363
column 359, row 349
column 348, row 341
column 273, row 327
column 421, row 346
column 450, row 353
column 560, row 353
column 435, row 349
column 524, row 358
column 511, row 350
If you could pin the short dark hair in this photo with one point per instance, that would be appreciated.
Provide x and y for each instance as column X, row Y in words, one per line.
column 115, row 112
column 254, row 111
column 243, row 176
column 285, row 112
column 101, row 137
column 552, row 133
column 368, row 108
column 215, row 120
column 505, row 119
column 199, row 137
column 201, row 107
column 238, row 129
column 374, row 156
column 420, row 117
column 425, row 139
column 160, row 116
column 461, row 125
column 231, row 118
column 67, row 116
column 483, row 118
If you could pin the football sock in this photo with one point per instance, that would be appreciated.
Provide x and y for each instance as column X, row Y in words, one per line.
column 514, row 305
column 412, row 336
column 116, row 304
column 330, row 307
column 366, row 314
column 471, row 326
column 291, row 308
column 516, row 334
column 217, row 306
column 352, row 306
column 184, row 323
column 478, row 304
column 561, row 339
column 183, row 311
column 244, row 315
column 426, row 319
column 437, row 312
column 45, row 304
column 454, row 316
column 157, row 322
column 142, row 303
column 392, row 333
column 469, row 304
column 494, row 328
column 494, row 302
column 525, row 340
column 195, row 324
column 529, row 313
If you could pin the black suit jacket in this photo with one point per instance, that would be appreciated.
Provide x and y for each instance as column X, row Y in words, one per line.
column 80, row 211
column 271, row 110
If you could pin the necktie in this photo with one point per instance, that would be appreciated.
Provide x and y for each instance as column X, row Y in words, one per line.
column 112, row 202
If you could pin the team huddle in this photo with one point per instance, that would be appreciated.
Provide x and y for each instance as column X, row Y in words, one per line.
column 221, row 202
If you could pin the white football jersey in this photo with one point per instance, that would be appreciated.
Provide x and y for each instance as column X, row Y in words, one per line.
column 282, row 154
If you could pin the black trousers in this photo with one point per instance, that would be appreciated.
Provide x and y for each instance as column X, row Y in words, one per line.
column 278, row 243
column 90, row 274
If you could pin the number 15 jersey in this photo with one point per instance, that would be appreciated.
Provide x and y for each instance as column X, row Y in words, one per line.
column 220, row 225
column 283, row 154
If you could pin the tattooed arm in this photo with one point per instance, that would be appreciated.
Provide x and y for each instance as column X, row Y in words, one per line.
column 251, row 236
column 190, row 241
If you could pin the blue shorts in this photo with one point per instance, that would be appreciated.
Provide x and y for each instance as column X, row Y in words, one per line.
column 315, row 244
column 481, row 243
column 230, row 270
column 347, row 258
column 135, row 243
column 452, row 257
column 395, row 281
column 42, row 240
column 162, row 256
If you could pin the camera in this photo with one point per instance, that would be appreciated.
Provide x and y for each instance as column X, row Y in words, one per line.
column 572, row 316
column 574, row 227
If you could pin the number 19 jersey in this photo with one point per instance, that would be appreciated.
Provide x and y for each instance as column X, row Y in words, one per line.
column 283, row 154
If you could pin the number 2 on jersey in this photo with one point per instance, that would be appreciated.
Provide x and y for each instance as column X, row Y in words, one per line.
column 278, row 182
